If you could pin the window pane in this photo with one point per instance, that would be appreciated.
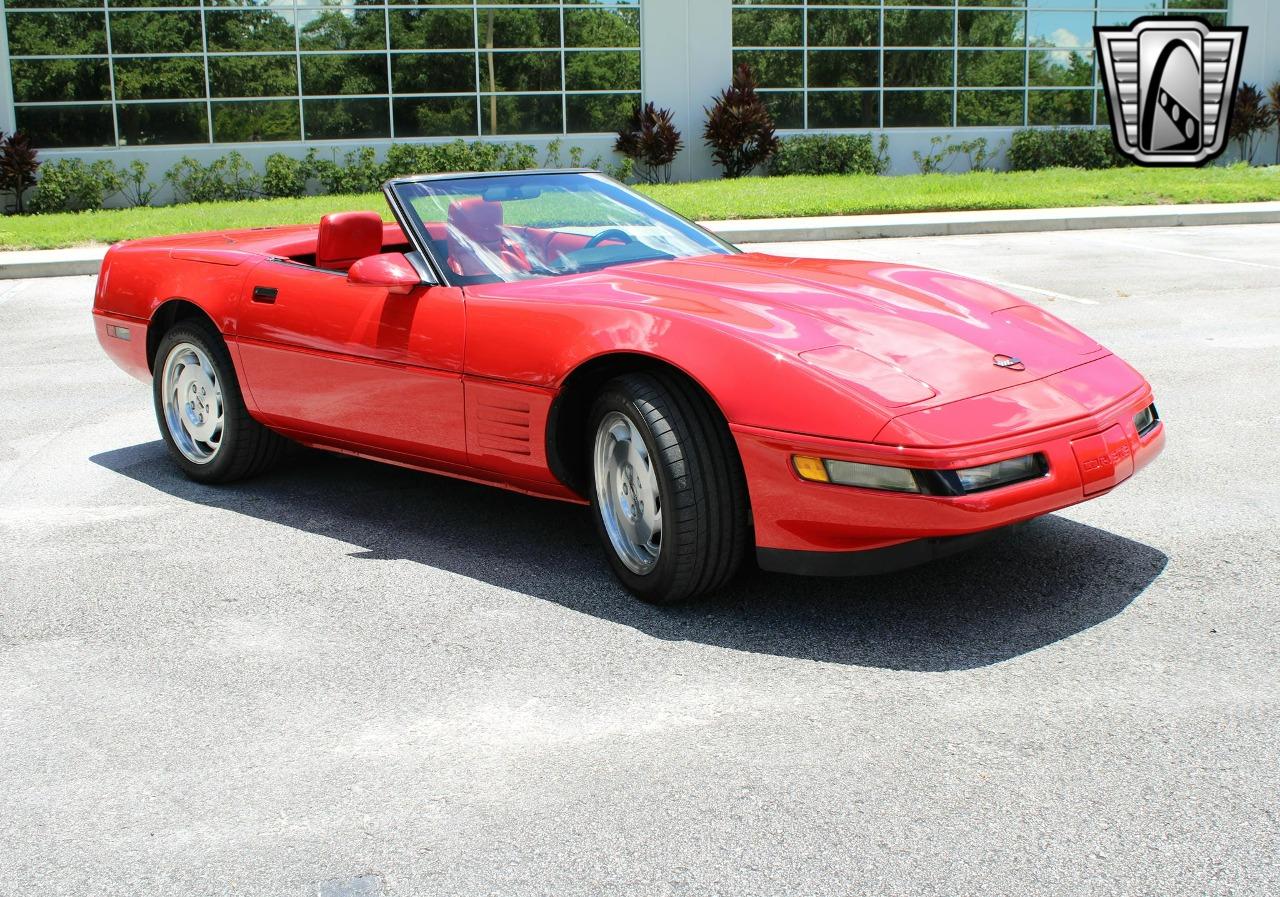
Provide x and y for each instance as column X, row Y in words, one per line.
column 786, row 108
column 253, row 76
column 518, row 28
column 431, row 29
column 1060, row 107
column 55, row 127
column 159, row 79
column 1060, row 29
column 844, row 68
column 992, row 29
column 521, row 115
column 917, row 28
column 599, row 113
column 433, row 73
column 992, row 68
column 254, row 121
column 60, row 80
column 342, row 28
column 846, row 109
column 147, row 124
column 773, row 68
column 767, row 28
column 918, row 68
column 344, row 74
column 844, row 28
column 155, row 32
column 511, row 72
column 601, row 28
column 345, row 119
column 1065, row 68
column 602, row 70
column 57, row 33
column 916, row 109
column 51, row 4
column 250, row 29
column 436, row 117
column 989, row 107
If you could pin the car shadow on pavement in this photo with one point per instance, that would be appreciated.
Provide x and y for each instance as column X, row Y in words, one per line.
column 1048, row 581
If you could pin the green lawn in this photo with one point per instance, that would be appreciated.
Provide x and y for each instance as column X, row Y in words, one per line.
column 716, row 200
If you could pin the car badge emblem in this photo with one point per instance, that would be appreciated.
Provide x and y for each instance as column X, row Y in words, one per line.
column 1009, row 362
column 1170, row 85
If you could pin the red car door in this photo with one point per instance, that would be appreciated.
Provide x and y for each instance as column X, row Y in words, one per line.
column 352, row 363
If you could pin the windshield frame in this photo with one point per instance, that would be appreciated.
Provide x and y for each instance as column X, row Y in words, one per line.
column 415, row 230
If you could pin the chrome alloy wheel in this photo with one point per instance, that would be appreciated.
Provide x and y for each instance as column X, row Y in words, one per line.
column 191, row 393
column 628, row 493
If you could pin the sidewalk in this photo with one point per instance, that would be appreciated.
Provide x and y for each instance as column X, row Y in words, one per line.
column 85, row 260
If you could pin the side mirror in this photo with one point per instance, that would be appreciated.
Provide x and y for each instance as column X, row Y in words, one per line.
column 391, row 270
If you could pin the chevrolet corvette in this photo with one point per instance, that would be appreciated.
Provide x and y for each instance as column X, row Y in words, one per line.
column 558, row 334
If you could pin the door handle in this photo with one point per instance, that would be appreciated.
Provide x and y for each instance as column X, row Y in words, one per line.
column 265, row 294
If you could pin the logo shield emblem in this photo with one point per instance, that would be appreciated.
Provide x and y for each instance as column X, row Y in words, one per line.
column 1170, row 86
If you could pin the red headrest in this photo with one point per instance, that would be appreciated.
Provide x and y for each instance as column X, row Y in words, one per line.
column 347, row 237
column 478, row 220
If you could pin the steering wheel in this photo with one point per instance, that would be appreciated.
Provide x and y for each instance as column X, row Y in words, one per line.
column 612, row 233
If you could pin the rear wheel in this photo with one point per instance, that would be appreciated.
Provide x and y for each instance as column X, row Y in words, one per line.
column 201, row 412
column 668, row 493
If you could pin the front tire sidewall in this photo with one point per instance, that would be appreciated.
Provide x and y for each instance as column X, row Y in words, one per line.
column 656, row 583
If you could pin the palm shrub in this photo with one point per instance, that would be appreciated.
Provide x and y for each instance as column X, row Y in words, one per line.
column 739, row 128
column 1251, row 117
column 18, row 165
column 1273, row 94
column 652, row 140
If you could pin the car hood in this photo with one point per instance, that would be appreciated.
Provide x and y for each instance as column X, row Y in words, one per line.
column 899, row 335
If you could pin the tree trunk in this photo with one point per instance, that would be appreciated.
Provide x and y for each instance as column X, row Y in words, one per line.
column 493, row 83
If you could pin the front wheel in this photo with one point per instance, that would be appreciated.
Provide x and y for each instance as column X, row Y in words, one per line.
column 668, row 493
column 200, row 410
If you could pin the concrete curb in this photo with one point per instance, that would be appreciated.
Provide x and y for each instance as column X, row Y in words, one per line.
column 86, row 260
column 942, row 224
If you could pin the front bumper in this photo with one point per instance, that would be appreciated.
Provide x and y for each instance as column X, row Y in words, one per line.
column 836, row 526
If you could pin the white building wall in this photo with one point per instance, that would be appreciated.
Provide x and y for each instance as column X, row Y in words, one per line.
column 1261, row 56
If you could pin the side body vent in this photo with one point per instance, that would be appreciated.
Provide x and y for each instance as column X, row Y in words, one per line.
column 507, row 428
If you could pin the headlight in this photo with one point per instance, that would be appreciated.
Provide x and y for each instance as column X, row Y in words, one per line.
column 1146, row 420
column 1001, row 473
column 851, row 473
column 951, row 483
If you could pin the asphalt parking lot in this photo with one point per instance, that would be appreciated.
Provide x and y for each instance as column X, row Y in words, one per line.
column 348, row 679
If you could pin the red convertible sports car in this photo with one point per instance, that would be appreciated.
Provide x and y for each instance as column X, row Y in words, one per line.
column 556, row 333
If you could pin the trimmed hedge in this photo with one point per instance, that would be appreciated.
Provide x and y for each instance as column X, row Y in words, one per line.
column 1088, row 148
column 830, row 154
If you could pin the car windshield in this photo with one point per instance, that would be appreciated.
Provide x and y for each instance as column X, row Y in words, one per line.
column 491, row 229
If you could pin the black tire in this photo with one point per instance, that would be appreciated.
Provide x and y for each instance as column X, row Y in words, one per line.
column 704, row 505
column 247, row 448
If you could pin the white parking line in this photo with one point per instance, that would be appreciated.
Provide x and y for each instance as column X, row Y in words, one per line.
column 1189, row 255
column 1022, row 286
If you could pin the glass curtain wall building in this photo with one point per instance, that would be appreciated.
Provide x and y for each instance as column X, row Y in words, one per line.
column 830, row 64
column 167, row 72
column 164, row 78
